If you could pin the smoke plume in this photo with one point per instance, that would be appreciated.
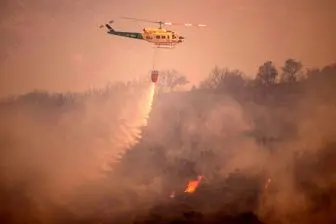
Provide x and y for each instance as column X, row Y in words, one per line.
column 51, row 144
column 94, row 157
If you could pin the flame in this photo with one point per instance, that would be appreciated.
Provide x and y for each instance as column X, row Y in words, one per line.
column 193, row 184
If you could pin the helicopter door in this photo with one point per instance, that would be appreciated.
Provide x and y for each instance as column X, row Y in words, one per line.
column 163, row 37
column 157, row 38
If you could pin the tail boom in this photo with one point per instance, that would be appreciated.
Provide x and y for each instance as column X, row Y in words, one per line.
column 126, row 34
column 133, row 35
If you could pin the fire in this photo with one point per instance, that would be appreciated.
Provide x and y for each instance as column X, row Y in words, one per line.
column 193, row 184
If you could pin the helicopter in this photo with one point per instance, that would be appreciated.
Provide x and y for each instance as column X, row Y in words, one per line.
column 159, row 37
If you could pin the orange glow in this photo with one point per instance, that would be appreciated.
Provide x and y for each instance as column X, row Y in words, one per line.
column 193, row 184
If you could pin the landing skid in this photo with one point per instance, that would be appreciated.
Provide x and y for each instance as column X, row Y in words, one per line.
column 165, row 46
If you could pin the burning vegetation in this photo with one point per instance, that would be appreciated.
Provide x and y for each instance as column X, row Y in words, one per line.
column 230, row 150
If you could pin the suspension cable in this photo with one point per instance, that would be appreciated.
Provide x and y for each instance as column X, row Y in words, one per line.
column 154, row 55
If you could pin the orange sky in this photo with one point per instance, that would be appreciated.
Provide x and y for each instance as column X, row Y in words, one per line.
column 57, row 46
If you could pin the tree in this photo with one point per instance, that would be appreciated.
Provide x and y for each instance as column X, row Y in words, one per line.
column 322, row 80
column 233, row 80
column 215, row 77
column 267, row 74
column 224, row 79
column 291, row 70
column 326, row 75
column 170, row 80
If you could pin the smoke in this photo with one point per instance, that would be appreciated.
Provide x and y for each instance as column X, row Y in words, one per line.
column 303, row 177
column 206, row 121
column 76, row 155
column 292, row 146
column 53, row 144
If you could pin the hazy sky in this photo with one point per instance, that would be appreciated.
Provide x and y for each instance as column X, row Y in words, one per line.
column 56, row 44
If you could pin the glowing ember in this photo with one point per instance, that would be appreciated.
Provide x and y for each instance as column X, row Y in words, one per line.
column 172, row 195
column 269, row 180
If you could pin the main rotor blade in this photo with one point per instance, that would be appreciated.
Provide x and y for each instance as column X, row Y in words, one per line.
column 183, row 24
column 143, row 20
column 165, row 23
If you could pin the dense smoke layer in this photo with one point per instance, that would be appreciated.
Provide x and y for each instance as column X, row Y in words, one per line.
column 266, row 151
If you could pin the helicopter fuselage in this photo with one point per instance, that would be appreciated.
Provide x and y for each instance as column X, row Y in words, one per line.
column 157, row 36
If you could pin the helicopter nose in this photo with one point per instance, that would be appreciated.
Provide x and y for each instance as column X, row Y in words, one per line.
column 181, row 39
